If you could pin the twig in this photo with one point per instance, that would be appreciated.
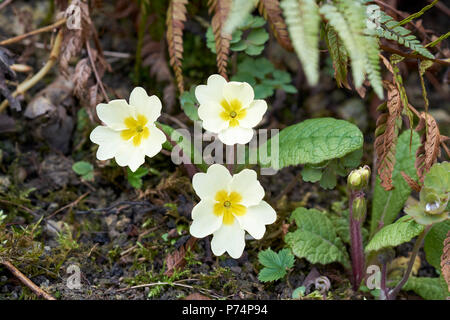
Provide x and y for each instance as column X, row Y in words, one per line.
column 34, row 32
column 156, row 284
column 4, row 4
column 19, row 275
column 70, row 205
column 97, row 77
column 27, row 84
column 393, row 293
column 413, row 56
column 20, row 206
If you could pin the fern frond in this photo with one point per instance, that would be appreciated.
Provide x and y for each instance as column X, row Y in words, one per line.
column 176, row 16
column 429, row 151
column 339, row 56
column 271, row 11
column 390, row 29
column 303, row 21
column 221, row 9
column 240, row 10
column 388, row 125
column 356, row 52
column 355, row 14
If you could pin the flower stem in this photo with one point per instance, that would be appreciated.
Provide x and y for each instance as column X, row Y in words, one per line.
column 394, row 292
column 356, row 245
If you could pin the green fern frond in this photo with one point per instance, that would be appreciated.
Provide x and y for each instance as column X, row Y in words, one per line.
column 303, row 21
column 355, row 13
column 390, row 29
column 240, row 10
column 356, row 52
column 338, row 55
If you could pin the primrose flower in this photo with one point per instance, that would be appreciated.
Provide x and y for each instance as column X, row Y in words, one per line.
column 229, row 109
column 130, row 133
column 229, row 206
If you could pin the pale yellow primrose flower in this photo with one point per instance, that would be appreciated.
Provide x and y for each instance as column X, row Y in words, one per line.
column 229, row 206
column 229, row 109
column 129, row 133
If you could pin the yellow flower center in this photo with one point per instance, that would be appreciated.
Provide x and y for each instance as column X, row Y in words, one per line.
column 136, row 129
column 232, row 112
column 228, row 205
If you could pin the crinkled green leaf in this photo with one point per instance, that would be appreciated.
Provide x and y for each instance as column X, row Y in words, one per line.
column 403, row 230
column 315, row 239
column 387, row 204
column 427, row 288
column 316, row 140
column 275, row 264
column 434, row 243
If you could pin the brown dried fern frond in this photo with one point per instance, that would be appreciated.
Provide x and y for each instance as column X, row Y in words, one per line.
column 387, row 135
column 429, row 150
column 75, row 36
column 445, row 260
column 411, row 182
column 176, row 16
column 271, row 11
column 221, row 8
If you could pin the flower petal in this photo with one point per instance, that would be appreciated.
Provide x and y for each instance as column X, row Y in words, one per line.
column 205, row 221
column 212, row 91
column 108, row 141
column 254, row 114
column 229, row 238
column 241, row 91
column 114, row 113
column 129, row 155
column 206, row 185
column 247, row 185
column 148, row 106
column 233, row 135
column 255, row 219
column 153, row 144
column 210, row 112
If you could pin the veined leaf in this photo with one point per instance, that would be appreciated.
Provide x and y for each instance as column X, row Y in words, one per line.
column 316, row 140
column 427, row 288
column 403, row 230
column 434, row 243
column 275, row 264
column 315, row 239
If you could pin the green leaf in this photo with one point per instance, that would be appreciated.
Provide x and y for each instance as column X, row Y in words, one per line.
column 310, row 174
column 189, row 104
column 438, row 178
column 82, row 167
column 434, row 243
column 427, row 288
column 316, row 140
column 258, row 36
column 275, row 264
column 387, row 204
column 135, row 178
column 403, row 230
column 315, row 239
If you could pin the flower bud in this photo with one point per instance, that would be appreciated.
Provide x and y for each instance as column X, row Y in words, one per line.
column 359, row 178
column 359, row 208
